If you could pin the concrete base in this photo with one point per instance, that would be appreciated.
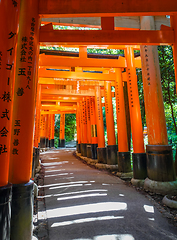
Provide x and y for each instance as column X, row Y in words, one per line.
column 160, row 166
column 94, row 150
column 101, row 155
column 47, row 143
column 78, row 147
column 5, row 211
column 112, row 154
column 42, row 142
column 139, row 165
column 170, row 203
column 89, row 151
column 62, row 143
column 160, row 187
column 22, row 211
column 84, row 149
column 52, row 145
column 137, row 182
column 124, row 163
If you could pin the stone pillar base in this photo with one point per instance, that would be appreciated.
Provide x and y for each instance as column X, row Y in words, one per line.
column 137, row 182
column 124, row 163
column 42, row 142
column 47, row 142
column 94, row 150
column 78, row 147
column 62, row 143
column 52, row 145
column 22, row 211
column 139, row 166
column 5, row 211
column 84, row 149
column 89, row 151
column 112, row 154
column 160, row 187
column 160, row 166
column 101, row 155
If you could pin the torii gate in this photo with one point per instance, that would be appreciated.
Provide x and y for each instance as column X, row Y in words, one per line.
column 19, row 56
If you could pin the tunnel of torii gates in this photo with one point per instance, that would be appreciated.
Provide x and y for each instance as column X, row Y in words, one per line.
column 34, row 86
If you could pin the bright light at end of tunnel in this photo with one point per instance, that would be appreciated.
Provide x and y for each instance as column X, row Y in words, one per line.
column 149, row 209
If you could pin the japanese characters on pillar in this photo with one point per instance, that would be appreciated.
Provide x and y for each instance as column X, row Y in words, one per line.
column 99, row 118
column 84, row 120
column 109, row 114
column 62, row 126
column 53, row 125
column 89, row 140
column 24, row 93
column 121, row 116
column 78, row 124
column 81, row 121
column 9, row 15
column 93, row 121
column 155, row 115
column 134, row 105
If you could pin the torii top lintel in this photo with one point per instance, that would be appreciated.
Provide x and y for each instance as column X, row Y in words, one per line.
column 101, row 8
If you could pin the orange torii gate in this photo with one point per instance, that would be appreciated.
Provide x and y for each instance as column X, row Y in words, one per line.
column 19, row 66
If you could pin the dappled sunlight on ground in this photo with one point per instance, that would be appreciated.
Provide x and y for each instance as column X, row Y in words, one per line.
column 94, row 205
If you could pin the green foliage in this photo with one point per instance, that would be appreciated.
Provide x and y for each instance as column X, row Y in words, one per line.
column 70, row 127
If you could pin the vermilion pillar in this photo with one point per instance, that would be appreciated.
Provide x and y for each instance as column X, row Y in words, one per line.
column 173, row 20
column 138, row 156
column 42, row 131
column 24, row 93
column 94, row 139
column 62, row 130
column 89, row 139
column 52, row 130
column 9, row 15
column 78, row 122
column 101, row 150
column 38, row 113
column 124, row 163
column 159, row 153
column 111, row 147
column 84, row 128
column 23, row 120
column 47, row 130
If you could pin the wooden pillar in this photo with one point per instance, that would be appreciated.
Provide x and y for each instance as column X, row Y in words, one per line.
column 89, row 139
column 84, row 128
column 124, row 163
column 42, row 131
column 78, row 125
column 21, row 147
column 24, row 93
column 138, row 156
column 9, row 15
column 38, row 113
column 47, row 130
column 94, row 138
column 173, row 20
column 101, row 150
column 159, row 153
column 62, row 130
column 111, row 147
column 52, row 130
